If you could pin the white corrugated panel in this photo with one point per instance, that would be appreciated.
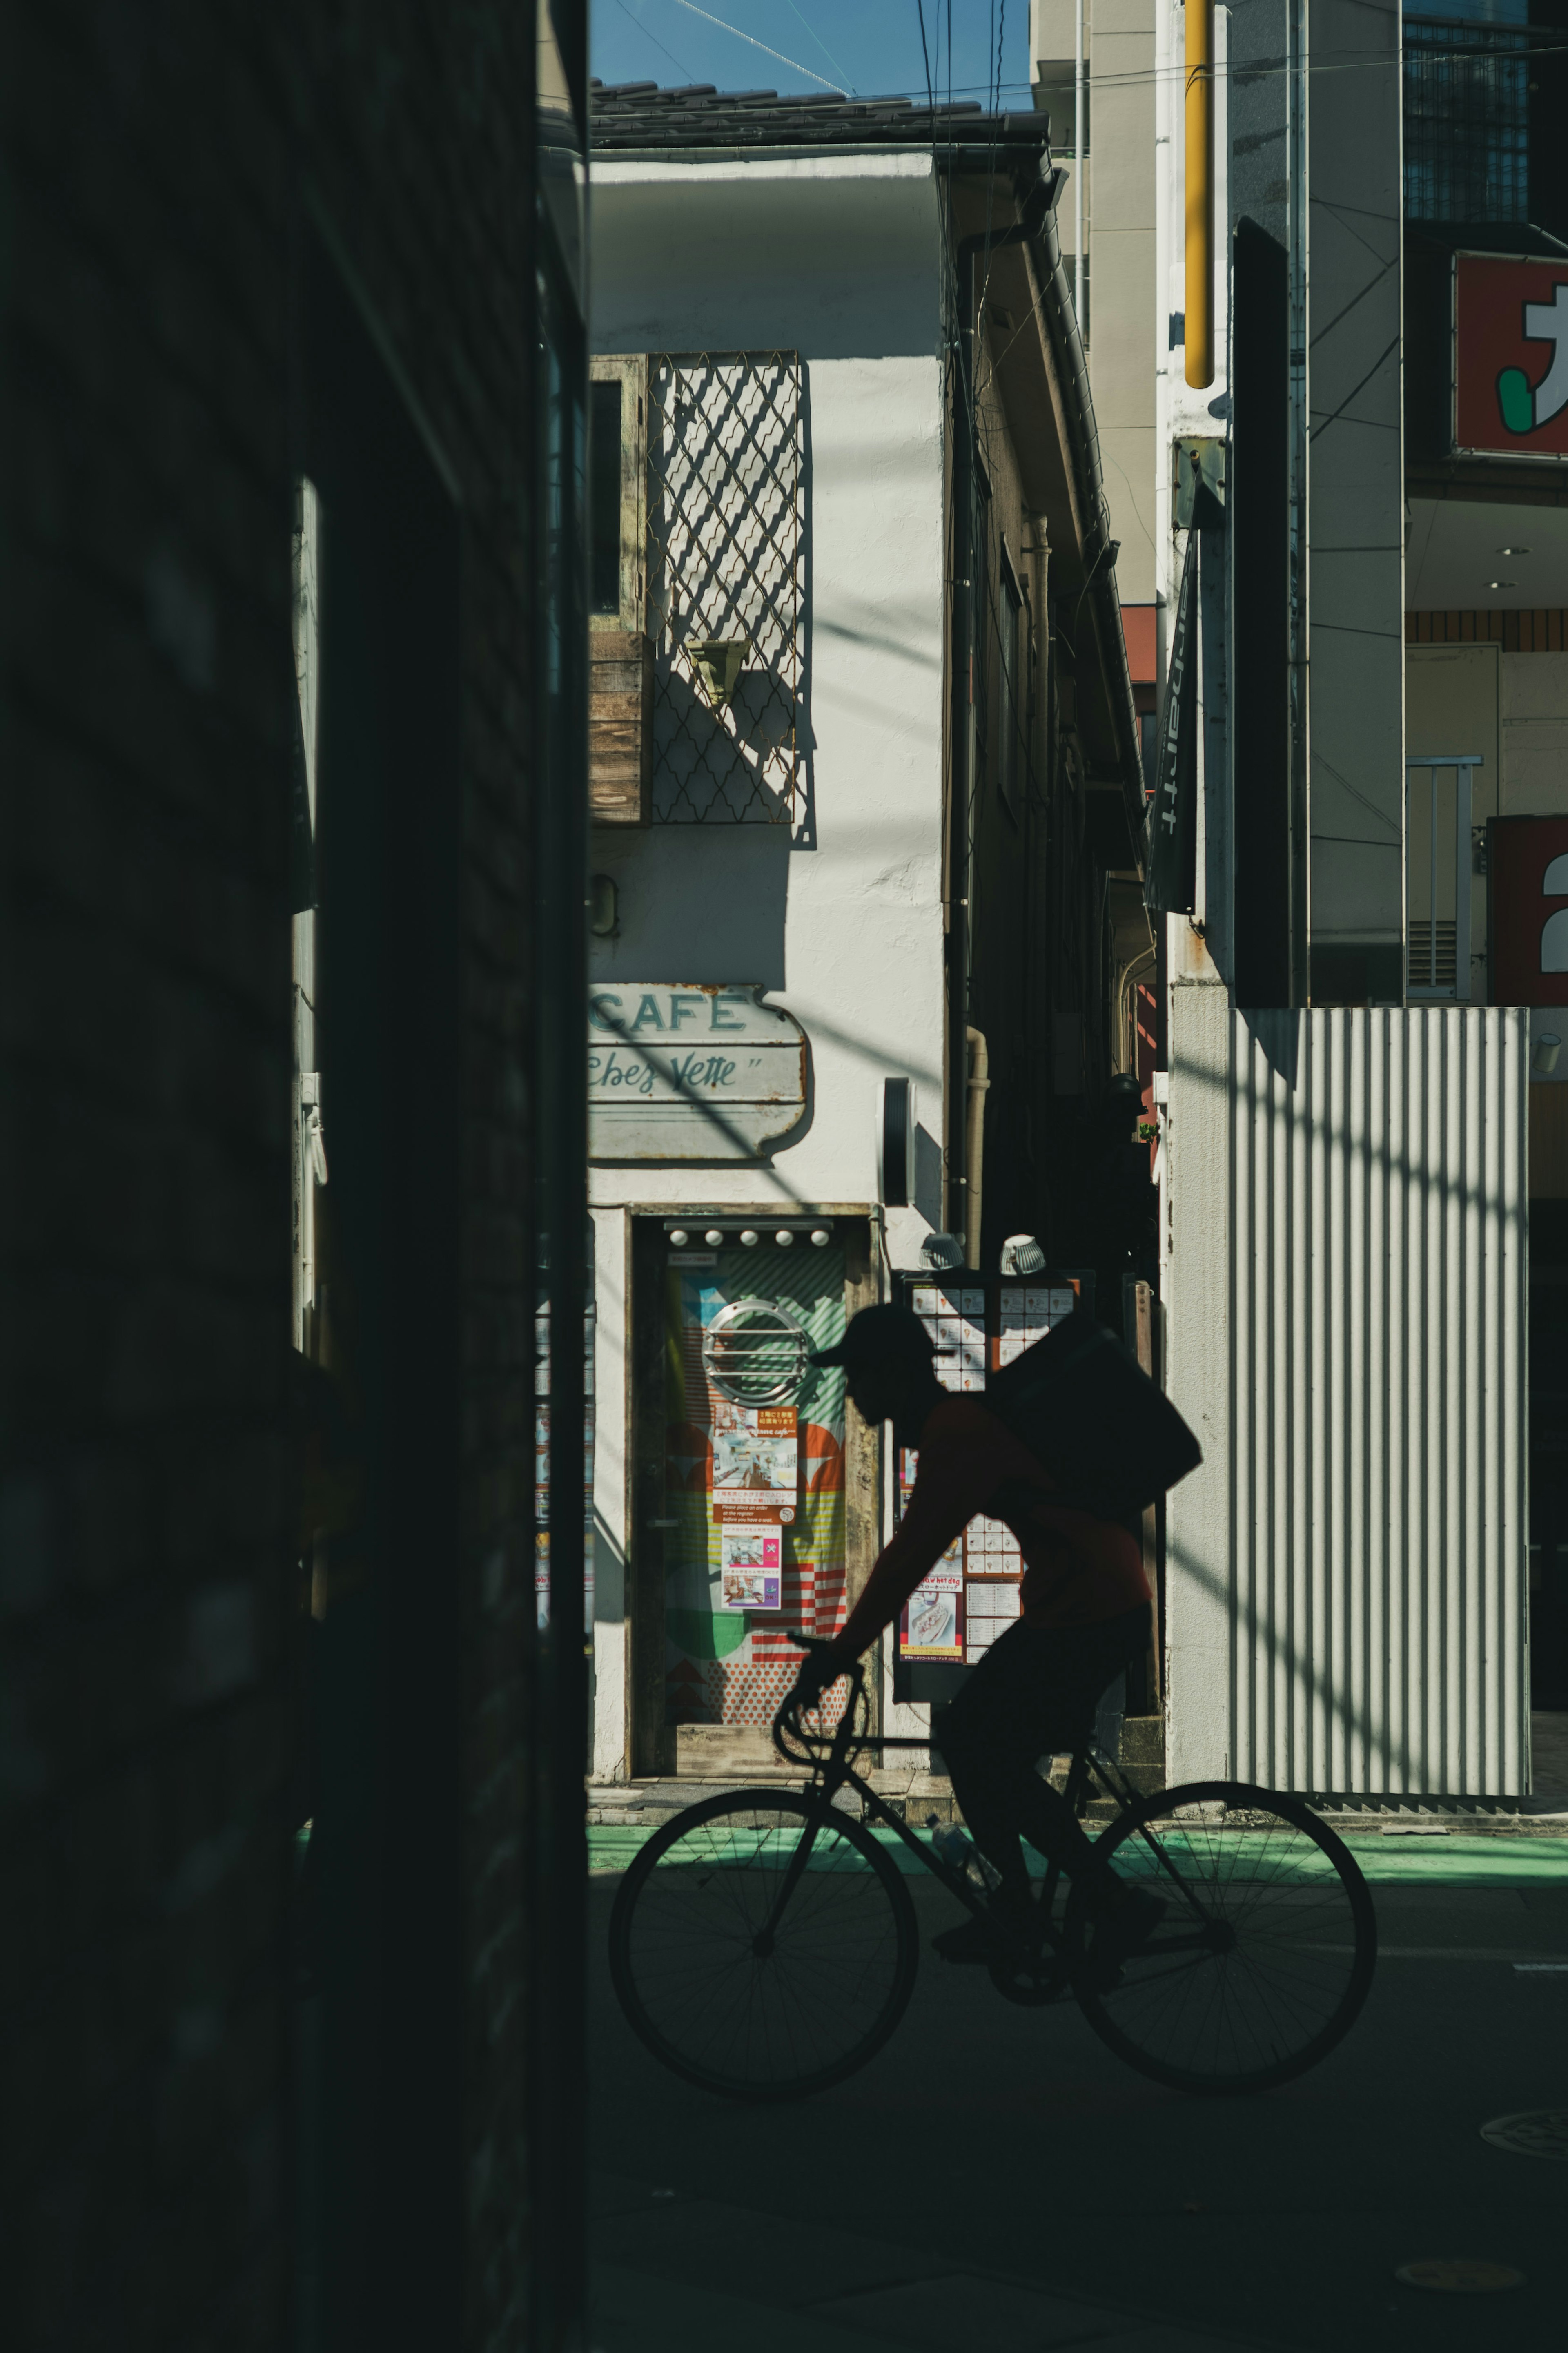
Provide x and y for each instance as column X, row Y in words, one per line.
column 1377, row 1324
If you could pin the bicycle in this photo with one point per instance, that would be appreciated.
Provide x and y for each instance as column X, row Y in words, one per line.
column 763, row 1943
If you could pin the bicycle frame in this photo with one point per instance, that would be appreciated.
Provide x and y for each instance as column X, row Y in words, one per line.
column 834, row 1771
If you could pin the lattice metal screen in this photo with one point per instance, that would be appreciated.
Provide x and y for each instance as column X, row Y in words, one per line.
column 724, row 490
column 1466, row 122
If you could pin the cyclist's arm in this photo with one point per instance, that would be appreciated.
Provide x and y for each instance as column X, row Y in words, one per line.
column 952, row 1481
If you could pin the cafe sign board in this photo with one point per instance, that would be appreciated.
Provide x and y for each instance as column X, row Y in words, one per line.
column 1510, row 355
column 692, row 1071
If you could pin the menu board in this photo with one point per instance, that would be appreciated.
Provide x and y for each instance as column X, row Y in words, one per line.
column 932, row 1626
column 977, row 1324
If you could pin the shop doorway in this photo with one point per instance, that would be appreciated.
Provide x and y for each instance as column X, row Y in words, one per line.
column 756, row 1486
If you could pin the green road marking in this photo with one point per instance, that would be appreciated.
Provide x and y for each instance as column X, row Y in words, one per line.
column 1509, row 1860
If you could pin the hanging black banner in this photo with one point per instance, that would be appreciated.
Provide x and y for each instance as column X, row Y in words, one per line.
column 1170, row 866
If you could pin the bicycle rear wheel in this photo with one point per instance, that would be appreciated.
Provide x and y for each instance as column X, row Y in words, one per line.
column 739, row 1995
column 1263, row 1957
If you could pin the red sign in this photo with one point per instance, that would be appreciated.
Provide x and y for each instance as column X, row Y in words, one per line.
column 1529, row 910
column 1511, row 356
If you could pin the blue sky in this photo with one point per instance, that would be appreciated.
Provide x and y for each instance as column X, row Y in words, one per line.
column 869, row 47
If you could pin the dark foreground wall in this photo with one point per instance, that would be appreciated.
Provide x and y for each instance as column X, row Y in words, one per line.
column 241, row 245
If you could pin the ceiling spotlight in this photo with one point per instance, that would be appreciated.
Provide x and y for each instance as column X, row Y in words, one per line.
column 713, row 1237
column 679, row 1238
column 820, row 1236
column 1502, row 583
column 749, row 1240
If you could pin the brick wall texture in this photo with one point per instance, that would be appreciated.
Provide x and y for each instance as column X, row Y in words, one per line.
column 158, row 160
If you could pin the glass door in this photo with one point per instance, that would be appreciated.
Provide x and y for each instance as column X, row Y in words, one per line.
column 753, row 1517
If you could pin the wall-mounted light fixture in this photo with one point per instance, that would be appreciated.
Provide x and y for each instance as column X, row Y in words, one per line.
column 730, row 1230
column 1022, row 1255
column 1548, row 1046
column 718, row 662
column 941, row 1251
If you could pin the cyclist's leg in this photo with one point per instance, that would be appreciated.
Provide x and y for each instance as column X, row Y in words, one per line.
column 1033, row 1692
column 1008, row 1711
column 984, row 1737
column 1081, row 1663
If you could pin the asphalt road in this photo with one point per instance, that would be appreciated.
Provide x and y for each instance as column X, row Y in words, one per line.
column 1015, row 2141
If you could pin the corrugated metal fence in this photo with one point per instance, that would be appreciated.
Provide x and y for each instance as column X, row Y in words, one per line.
column 1378, row 1460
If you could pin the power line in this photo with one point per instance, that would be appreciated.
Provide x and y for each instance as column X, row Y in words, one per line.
column 1240, row 70
column 643, row 29
column 826, row 50
column 778, row 54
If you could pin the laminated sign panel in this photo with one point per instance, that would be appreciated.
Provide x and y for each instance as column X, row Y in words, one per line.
column 1347, row 1572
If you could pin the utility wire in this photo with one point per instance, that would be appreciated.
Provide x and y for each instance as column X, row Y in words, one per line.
column 1240, row 70
column 826, row 50
column 778, row 54
column 643, row 29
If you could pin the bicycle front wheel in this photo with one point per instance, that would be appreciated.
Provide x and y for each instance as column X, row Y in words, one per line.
column 1265, row 1952
column 762, row 1945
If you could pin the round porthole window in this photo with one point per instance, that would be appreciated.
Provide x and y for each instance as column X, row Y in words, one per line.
column 755, row 1352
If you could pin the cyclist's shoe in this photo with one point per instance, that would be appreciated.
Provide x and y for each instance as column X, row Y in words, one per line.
column 1120, row 1930
column 987, row 1937
column 974, row 1939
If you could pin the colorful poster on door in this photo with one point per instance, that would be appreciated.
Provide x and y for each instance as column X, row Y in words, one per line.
column 773, row 1470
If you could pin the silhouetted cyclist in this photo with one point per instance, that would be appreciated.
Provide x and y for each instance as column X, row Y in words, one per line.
column 1085, row 1603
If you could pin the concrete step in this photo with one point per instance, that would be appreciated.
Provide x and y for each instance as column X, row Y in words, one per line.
column 1143, row 1740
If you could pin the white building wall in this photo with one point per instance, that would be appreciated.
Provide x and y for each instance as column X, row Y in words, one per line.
column 1121, row 327
column 1346, row 1574
column 840, row 919
column 1356, row 494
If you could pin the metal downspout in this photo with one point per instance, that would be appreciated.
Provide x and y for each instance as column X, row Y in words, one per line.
column 979, row 1081
column 1077, row 159
column 1033, row 203
column 1100, row 554
column 1199, row 193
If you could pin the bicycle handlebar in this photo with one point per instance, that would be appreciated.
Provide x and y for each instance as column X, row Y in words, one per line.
column 787, row 1723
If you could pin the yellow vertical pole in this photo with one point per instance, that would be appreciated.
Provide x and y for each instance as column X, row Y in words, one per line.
column 1200, row 192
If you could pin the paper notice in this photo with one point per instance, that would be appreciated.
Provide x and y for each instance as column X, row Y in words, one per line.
column 932, row 1626
column 750, row 1566
column 756, row 1461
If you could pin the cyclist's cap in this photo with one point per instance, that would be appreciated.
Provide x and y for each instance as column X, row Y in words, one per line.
column 880, row 1335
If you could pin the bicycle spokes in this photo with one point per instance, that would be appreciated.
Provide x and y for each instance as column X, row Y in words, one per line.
column 1264, row 1962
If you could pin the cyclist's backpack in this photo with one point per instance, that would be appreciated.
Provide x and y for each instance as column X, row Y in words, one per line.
column 1086, row 1410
